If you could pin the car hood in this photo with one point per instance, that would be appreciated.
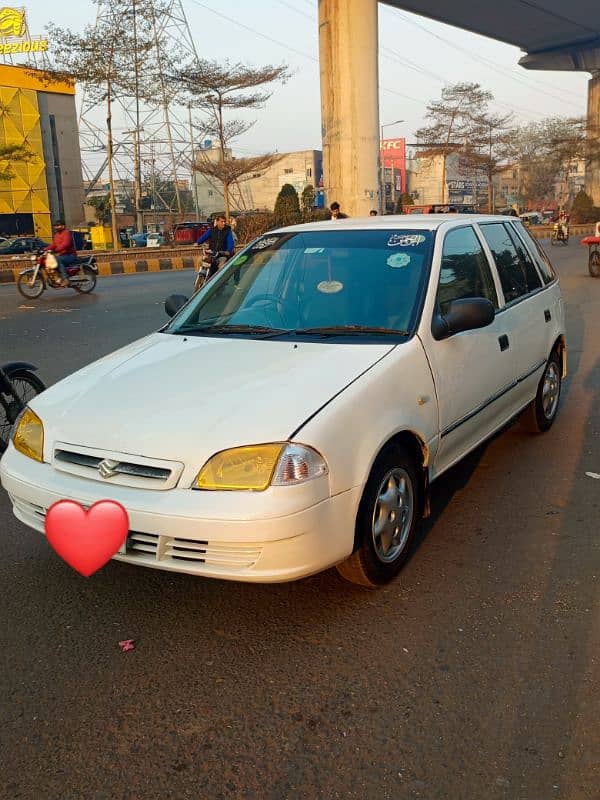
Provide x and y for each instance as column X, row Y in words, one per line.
column 177, row 398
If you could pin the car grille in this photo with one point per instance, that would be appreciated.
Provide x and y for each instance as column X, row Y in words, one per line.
column 115, row 468
column 152, row 548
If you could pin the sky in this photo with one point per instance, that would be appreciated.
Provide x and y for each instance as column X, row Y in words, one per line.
column 417, row 58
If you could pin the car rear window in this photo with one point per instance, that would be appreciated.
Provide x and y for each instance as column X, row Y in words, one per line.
column 537, row 251
column 518, row 275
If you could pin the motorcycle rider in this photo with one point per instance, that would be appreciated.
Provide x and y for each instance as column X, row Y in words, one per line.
column 563, row 221
column 220, row 242
column 63, row 247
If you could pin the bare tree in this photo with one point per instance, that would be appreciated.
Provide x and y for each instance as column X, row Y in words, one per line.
column 105, row 58
column 217, row 88
column 547, row 150
column 490, row 146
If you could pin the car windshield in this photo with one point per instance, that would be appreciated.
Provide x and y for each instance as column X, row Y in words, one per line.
column 352, row 283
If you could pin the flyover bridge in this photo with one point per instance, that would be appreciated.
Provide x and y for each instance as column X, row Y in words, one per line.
column 553, row 35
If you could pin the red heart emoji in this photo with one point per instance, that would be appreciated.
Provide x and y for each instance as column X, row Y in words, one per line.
column 86, row 540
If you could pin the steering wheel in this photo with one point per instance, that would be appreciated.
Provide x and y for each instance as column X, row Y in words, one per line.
column 270, row 303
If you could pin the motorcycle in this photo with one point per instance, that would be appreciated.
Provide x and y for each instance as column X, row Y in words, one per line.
column 560, row 234
column 211, row 263
column 18, row 385
column 81, row 276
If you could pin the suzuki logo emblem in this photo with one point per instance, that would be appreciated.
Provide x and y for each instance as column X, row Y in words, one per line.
column 108, row 468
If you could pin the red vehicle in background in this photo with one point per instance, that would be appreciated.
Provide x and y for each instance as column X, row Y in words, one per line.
column 188, row 232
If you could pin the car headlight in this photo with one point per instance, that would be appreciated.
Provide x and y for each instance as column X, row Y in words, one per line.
column 256, row 467
column 28, row 437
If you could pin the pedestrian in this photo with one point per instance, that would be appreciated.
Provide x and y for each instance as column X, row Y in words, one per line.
column 373, row 212
column 335, row 212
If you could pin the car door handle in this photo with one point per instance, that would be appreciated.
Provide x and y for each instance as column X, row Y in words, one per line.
column 547, row 315
column 503, row 342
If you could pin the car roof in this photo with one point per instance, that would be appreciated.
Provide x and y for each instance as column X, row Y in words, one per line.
column 411, row 221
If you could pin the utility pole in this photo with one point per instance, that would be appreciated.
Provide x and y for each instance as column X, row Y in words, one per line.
column 194, row 181
column 137, row 184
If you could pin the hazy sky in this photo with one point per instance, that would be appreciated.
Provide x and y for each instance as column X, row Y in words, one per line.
column 417, row 57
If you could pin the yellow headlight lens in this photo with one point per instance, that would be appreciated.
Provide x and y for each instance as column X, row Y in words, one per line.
column 249, row 468
column 29, row 436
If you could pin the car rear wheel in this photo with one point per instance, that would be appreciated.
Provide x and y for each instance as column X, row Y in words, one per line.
column 540, row 414
column 388, row 515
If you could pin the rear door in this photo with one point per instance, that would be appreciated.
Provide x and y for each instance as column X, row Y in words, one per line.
column 473, row 370
column 529, row 309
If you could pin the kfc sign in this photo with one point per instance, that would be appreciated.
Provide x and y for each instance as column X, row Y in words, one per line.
column 393, row 156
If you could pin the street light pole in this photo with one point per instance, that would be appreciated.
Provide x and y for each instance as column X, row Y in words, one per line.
column 382, row 165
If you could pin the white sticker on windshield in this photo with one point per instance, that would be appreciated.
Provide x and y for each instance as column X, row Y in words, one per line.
column 311, row 250
column 330, row 287
column 405, row 240
column 265, row 243
column 398, row 260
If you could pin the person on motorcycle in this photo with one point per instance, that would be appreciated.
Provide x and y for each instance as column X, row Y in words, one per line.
column 220, row 242
column 63, row 247
column 563, row 221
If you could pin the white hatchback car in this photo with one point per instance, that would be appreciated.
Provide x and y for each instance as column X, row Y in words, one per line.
column 293, row 413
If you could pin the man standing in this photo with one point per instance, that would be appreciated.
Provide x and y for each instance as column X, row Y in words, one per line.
column 63, row 247
column 220, row 243
column 335, row 212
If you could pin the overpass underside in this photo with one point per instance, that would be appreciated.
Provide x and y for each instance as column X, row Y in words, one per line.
column 553, row 34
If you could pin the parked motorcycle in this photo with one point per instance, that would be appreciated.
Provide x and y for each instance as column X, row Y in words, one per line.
column 560, row 234
column 18, row 385
column 32, row 282
column 211, row 263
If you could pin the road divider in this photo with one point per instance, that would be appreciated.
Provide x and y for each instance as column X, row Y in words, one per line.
column 123, row 262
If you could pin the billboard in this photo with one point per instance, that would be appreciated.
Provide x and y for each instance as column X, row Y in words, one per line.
column 392, row 154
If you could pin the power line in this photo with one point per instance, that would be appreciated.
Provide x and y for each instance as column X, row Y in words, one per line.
column 528, row 83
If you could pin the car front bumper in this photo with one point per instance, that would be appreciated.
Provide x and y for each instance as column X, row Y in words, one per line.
column 168, row 531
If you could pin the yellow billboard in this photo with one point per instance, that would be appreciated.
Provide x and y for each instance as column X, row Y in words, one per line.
column 14, row 33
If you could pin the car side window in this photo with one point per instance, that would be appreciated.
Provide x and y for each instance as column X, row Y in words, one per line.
column 465, row 271
column 518, row 275
column 537, row 251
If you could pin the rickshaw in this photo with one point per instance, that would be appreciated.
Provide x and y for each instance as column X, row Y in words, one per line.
column 593, row 243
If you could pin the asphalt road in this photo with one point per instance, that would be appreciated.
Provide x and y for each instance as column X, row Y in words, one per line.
column 474, row 675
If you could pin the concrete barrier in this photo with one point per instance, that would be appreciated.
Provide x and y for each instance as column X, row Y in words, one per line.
column 122, row 262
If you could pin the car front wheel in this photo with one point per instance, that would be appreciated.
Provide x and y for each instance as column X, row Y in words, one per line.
column 389, row 512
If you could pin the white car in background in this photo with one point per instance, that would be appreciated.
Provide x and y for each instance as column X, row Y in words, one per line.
column 291, row 415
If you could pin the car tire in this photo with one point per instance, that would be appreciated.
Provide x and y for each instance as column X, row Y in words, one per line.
column 388, row 515
column 540, row 414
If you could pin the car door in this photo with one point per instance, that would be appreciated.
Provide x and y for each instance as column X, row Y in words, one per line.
column 528, row 310
column 473, row 370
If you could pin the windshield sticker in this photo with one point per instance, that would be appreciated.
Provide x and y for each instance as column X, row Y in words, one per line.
column 398, row 260
column 405, row 240
column 311, row 250
column 267, row 242
column 330, row 287
column 239, row 261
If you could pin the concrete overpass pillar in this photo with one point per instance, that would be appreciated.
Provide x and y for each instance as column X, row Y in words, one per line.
column 592, row 179
column 348, row 46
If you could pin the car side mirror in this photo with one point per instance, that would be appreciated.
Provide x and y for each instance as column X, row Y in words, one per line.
column 174, row 302
column 466, row 314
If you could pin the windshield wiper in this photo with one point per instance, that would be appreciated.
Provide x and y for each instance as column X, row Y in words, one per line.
column 335, row 330
column 260, row 330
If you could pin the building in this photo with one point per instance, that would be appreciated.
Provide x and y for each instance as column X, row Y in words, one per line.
column 258, row 191
column 435, row 178
column 42, row 116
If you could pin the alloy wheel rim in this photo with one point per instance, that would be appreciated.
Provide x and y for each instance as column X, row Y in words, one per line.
column 392, row 515
column 550, row 390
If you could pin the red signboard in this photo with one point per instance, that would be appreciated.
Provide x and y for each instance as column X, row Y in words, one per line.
column 393, row 156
